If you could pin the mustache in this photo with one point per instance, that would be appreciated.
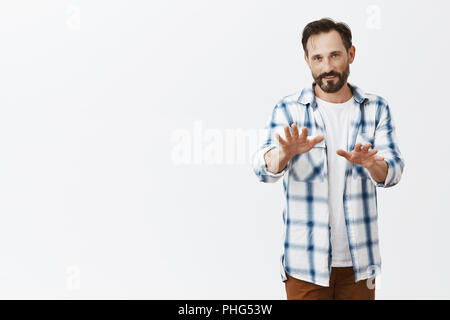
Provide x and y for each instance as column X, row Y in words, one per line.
column 332, row 73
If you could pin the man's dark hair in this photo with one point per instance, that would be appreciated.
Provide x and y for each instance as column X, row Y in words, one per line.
column 326, row 25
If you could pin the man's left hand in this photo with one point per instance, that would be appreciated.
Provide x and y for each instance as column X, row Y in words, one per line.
column 361, row 155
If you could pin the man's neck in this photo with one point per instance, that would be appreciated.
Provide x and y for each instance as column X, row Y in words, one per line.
column 341, row 96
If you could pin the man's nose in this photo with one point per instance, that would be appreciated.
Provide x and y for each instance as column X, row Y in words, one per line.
column 327, row 66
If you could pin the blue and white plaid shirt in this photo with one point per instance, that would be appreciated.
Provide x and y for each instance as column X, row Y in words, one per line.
column 306, row 230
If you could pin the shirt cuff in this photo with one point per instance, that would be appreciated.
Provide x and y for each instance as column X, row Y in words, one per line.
column 386, row 181
column 264, row 167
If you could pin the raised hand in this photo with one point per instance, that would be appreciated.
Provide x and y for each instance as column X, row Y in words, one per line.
column 296, row 143
column 361, row 155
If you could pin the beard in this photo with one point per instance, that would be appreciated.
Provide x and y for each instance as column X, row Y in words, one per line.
column 329, row 86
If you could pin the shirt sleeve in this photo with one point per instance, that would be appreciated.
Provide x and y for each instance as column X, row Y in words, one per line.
column 386, row 143
column 276, row 123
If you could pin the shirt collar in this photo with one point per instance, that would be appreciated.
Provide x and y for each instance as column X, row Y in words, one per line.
column 307, row 95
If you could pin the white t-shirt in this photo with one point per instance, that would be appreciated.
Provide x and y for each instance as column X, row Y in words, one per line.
column 336, row 117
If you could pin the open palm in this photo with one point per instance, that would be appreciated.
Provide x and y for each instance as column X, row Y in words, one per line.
column 296, row 143
column 361, row 155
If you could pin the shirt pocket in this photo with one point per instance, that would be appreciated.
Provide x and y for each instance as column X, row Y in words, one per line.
column 310, row 166
column 358, row 171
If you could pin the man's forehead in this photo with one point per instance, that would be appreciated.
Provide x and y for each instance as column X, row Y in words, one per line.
column 323, row 43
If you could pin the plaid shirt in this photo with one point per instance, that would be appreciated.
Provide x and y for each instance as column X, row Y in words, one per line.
column 306, row 253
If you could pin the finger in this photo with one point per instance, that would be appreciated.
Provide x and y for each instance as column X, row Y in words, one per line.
column 294, row 130
column 287, row 133
column 280, row 139
column 343, row 153
column 379, row 158
column 372, row 152
column 366, row 147
column 316, row 140
column 304, row 134
column 358, row 147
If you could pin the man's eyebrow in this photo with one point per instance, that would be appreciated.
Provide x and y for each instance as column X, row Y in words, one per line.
column 332, row 52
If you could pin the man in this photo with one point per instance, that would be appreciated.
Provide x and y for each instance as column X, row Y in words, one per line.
column 347, row 146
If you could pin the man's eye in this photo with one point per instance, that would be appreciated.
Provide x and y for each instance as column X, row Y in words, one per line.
column 335, row 55
column 316, row 58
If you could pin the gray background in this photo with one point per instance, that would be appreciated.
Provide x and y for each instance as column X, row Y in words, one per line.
column 98, row 97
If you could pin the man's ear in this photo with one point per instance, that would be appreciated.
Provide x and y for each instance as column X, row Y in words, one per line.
column 351, row 54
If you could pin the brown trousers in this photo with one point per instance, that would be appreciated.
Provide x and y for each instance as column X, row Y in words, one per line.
column 342, row 287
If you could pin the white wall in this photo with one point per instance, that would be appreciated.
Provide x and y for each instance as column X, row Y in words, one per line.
column 98, row 97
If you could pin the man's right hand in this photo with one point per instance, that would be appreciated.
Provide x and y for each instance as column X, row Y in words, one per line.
column 296, row 143
column 276, row 159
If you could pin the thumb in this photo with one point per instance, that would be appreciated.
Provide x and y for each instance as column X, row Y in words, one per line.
column 343, row 153
column 316, row 140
